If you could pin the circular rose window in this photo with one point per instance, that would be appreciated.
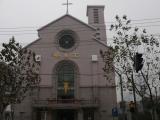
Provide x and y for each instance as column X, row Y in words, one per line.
column 66, row 41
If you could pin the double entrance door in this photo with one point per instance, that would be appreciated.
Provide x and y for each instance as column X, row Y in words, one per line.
column 66, row 114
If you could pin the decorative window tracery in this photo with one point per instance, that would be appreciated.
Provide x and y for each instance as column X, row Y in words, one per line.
column 65, row 80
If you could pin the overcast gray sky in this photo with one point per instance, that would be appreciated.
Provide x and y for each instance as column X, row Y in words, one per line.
column 21, row 18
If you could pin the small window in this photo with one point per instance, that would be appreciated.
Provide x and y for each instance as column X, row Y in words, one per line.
column 98, row 29
column 98, row 33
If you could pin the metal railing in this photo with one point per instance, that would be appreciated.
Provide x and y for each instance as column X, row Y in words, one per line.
column 65, row 102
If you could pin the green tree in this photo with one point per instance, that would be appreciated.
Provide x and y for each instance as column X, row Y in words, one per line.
column 128, row 40
column 19, row 74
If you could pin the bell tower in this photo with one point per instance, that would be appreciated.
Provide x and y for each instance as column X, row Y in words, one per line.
column 96, row 18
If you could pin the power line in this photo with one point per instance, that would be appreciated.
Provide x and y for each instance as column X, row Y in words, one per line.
column 145, row 19
column 35, row 27
column 82, row 41
column 74, row 26
column 145, row 22
column 19, row 32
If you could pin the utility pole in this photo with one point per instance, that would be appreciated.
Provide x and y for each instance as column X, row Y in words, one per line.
column 137, row 65
column 134, row 92
column 122, row 104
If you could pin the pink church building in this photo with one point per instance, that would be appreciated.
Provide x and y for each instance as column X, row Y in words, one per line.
column 73, row 86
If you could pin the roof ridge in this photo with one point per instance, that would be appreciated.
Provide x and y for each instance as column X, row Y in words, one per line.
column 62, row 18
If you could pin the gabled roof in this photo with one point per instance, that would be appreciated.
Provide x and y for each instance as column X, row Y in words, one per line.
column 91, row 27
column 100, row 42
column 31, row 43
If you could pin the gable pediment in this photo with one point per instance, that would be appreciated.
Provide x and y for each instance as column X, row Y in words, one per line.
column 49, row 32
column 68, row 21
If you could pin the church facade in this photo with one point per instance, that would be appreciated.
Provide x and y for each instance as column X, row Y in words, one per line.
column 73, row 86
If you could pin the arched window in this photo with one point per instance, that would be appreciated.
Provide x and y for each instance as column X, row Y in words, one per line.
column 65, row 80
